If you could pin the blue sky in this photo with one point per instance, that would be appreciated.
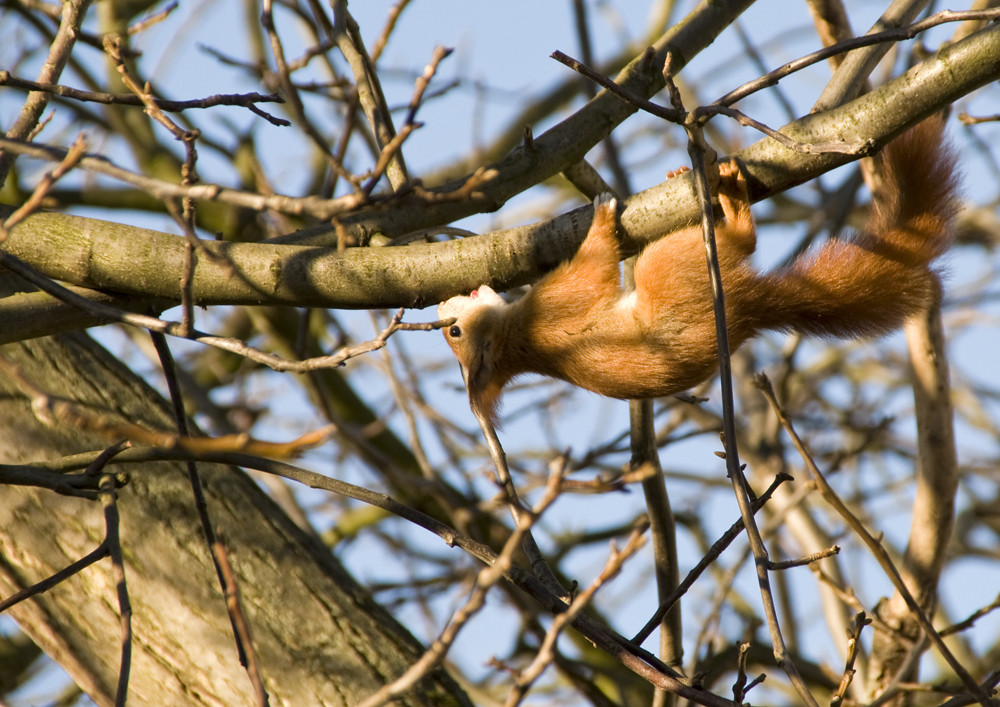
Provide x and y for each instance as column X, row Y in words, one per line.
column 501, row 57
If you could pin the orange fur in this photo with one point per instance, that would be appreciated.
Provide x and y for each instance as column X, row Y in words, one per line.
column 578, row 324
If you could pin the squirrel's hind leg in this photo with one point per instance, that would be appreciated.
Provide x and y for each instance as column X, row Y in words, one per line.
column 737, row 228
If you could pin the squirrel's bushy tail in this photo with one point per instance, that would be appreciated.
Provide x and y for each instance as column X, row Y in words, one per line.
column 869, row 283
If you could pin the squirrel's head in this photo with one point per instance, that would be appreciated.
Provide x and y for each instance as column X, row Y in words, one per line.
column 474, row 337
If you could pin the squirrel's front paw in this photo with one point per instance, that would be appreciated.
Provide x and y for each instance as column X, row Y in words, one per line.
column 605, row 200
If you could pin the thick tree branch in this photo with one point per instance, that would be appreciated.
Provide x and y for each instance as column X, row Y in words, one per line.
column 123, row 259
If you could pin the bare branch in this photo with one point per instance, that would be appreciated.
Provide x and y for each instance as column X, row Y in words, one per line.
column 70, row 21
column 876, row 548
column 246, row 100
column 72, row 158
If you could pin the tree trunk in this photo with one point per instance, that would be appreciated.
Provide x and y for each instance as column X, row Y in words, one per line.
column 320, row 638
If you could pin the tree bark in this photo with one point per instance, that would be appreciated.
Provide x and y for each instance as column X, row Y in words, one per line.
column 320, row 638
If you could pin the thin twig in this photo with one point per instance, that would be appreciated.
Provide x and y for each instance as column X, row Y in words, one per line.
column 370, row 95
column 849, row 598
column 989, row 684
column 72, row 158
column 394, row 145
column 390, row 24
column 967, row 623
column 146, row 22
column 70, row 23
column 423, row 81
column 247, row 653
column 876, row 548
column 672, row 115
column 742, row 686
column 245, row 100
column 487, row 578
column 111, row 523
column 323, row 209
column 853, row 649
column 702, row 114
column 718, row 547
column 518, row 512
column 803, row 561
column 291, row 93
column 95, row 555
column 462, row 192
column 51, row 411
column 388, row 153
column 890, row 35
column 546, row 652
column 858, row 147
column 234, row 606
column 699, row 152
column 185, row 217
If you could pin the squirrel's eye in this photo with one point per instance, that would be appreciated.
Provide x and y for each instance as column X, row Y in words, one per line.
column 455, row 331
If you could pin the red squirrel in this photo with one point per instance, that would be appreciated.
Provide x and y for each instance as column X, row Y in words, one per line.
column 578, row 324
